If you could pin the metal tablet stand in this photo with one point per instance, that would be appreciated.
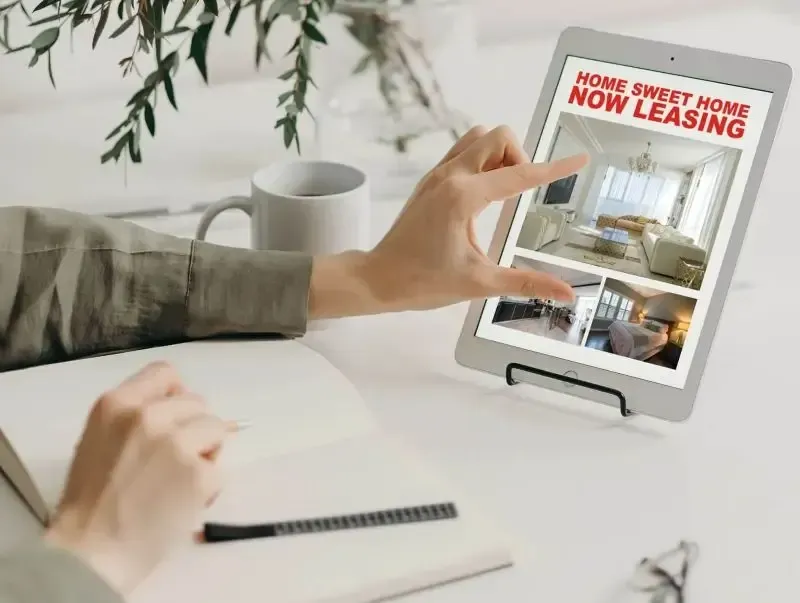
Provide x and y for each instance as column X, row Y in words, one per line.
column 623, row 406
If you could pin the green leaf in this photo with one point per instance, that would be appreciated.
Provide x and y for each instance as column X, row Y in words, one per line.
column 138, row 97
column 150, row 119
column 133, row 150
column 286, row 75
column 187, row 7
column 232, row 18
column 117, row 130
column 211, row 7
column 181, row 29
column 152, row 79
column 311, row 14
column 45, row 39
column 168, row 88
column 115, row 151
column 101, row 23
column 124, row 27
column 34, row 59
column 50, row 68
column 279, row 7
column 199, row 47
column 313, row 33
column 288, row 133
column 285, row 97
column 292, row 109
column 362, row 64
column 206, row 18
column 120, row 8
column 49, row 19
column 45, row 4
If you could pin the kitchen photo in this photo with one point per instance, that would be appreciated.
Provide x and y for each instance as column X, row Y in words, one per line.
column 642, row 323
column 566, row 322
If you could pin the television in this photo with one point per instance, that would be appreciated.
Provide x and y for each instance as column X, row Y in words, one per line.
column 560, row 191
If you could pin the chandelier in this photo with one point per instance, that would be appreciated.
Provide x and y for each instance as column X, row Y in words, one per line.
column 644, row 163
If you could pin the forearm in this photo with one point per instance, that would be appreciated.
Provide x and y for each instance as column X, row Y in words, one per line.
column 73, row 285
column 43, row 574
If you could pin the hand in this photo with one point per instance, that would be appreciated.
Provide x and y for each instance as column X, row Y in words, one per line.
column 143, row 471
column 430, row 257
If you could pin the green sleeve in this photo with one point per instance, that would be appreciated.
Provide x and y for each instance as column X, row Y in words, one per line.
column 48, row 575
column 73, row 285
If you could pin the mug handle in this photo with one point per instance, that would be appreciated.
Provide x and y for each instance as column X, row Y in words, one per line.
column 212, row 211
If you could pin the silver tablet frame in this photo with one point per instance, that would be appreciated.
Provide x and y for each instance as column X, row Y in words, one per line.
column 643, row 397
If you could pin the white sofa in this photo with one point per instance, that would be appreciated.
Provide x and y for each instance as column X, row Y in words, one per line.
column 541, row 226
column 664, row 245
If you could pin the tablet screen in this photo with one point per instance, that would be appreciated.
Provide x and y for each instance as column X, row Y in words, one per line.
column 641, row 231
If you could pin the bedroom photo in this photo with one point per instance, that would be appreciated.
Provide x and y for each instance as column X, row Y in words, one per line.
column 641, row 323
column 548, row 318
column 647, row 204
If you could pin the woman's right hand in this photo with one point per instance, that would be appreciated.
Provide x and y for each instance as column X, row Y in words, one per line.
column 144, row 470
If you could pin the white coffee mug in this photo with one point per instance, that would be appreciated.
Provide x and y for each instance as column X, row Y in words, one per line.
column 309, row 206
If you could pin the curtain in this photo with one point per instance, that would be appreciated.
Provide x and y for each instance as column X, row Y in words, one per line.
column 649, row 195
column 701, row 200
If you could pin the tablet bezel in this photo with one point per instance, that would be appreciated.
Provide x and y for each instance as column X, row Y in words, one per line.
column 643, row 397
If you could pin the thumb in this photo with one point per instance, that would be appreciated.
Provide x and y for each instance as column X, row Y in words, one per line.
column 529, row 283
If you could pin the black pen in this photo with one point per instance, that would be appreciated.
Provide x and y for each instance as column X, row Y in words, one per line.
column 219, row 532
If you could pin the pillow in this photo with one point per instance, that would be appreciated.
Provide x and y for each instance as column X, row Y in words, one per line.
column 652, row 325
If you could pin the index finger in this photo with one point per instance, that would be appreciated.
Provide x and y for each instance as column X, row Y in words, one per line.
column 514, row 180
column 156, row 380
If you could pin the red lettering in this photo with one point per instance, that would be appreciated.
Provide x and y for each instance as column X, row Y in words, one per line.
column 603, row 82
column 673, row 116
column 692, row 119
column 736, row 127
column 577, row 95
column 597, row 99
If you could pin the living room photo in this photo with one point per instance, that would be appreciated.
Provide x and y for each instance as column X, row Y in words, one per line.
column 647, row 204
column 638, row 322
column 567, row 322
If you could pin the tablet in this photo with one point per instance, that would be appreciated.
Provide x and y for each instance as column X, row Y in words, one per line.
column 647, row 234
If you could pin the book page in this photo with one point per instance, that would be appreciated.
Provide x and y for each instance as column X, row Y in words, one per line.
column 363, row 474
column 291, row 396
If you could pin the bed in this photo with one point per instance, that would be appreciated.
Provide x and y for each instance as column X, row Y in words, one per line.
column 638, row 340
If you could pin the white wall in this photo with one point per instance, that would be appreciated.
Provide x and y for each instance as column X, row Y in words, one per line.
column 572, row 139
column 670, row 307
column 50, row 140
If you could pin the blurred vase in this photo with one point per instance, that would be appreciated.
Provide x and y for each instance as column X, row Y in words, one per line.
column 396, row 108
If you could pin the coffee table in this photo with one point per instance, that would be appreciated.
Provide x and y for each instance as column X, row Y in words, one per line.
column 613, row 242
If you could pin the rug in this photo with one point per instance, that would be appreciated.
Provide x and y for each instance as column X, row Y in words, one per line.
column 628, row 257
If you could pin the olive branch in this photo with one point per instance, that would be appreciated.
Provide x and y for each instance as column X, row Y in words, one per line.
column 153, row 39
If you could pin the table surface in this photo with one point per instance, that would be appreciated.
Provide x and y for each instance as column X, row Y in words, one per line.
column 588, row 492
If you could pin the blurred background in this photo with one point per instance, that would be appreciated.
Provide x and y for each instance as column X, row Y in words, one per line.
column 391, row 106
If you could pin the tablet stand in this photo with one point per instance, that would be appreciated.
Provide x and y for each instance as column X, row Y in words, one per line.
column 623, row 406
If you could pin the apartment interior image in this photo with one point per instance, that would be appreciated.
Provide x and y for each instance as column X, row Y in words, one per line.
column 647, row 204
column 567, row 322
column 641, row 323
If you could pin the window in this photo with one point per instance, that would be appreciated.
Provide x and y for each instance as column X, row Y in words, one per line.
column 629, row 193
column 702, row 193
column 614, row 306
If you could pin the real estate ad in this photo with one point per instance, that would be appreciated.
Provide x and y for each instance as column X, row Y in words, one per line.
column 639, row 232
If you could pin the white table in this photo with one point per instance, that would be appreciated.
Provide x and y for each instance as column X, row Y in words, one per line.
column 588, row 493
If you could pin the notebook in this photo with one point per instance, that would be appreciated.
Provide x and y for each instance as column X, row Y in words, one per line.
column 313, row 449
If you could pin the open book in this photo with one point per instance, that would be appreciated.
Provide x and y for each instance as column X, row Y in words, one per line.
column 313, row 449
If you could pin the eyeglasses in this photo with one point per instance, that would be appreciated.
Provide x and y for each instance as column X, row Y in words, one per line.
column 664, row 577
